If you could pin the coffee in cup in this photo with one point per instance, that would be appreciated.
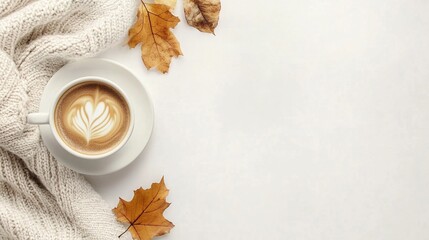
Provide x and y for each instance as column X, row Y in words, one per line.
column 92, row 117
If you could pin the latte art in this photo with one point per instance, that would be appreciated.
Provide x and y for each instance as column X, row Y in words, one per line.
column 93, row 121
column 92, row 118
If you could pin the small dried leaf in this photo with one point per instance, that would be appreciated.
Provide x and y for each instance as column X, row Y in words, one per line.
column 152, row 31
column 170, row 3
column 144, row 213
column 202, row 14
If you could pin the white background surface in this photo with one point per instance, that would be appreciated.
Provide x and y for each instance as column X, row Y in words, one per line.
column 298, row 120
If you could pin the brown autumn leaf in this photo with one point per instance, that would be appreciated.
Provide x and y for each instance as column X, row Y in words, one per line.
column 144, row 212
column 152, row 31
column 202, row 14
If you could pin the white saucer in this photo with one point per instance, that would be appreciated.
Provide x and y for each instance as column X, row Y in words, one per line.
column 138, row 97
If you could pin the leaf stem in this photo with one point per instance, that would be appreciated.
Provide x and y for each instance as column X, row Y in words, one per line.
column 124, row 231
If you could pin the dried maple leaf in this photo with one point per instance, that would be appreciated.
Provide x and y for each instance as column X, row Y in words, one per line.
column 202, row 14
column 152, row 31
column 170, row 3
column 144, row 212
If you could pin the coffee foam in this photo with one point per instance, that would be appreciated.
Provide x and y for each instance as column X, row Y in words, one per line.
column 92, row 118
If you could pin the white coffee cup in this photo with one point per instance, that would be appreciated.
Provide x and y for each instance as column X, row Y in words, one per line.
column 48, row 118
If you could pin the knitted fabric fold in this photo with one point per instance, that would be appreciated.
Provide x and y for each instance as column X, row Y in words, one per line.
column 40, row 198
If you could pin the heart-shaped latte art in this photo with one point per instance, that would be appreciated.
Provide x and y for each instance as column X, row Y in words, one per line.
column 94, row 122
column 92, row 118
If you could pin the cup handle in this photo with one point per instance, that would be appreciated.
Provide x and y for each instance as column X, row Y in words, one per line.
column 38, row 118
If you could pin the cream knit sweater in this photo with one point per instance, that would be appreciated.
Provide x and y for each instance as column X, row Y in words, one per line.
column 40, row 198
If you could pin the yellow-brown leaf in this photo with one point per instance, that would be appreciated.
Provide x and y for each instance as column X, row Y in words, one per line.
column 152, row 31
column 202, row 14
column 144, row 213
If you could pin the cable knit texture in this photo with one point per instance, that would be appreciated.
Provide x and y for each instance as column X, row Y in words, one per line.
column 40, row 198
